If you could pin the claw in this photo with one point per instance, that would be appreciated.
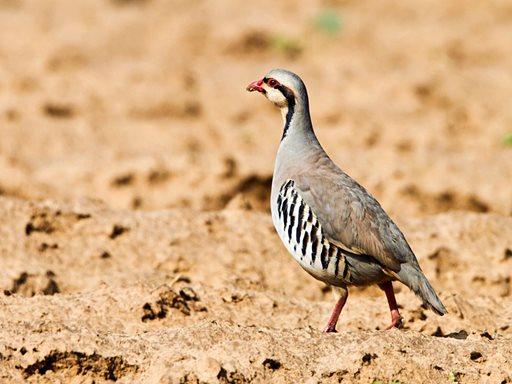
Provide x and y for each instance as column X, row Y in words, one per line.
column 396, row 320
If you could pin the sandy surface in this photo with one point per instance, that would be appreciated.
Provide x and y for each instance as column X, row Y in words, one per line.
column 136, row 243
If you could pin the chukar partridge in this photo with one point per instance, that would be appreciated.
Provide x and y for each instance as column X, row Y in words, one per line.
column 332, row 226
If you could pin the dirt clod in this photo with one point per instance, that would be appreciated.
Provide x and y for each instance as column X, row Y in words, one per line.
column 271, row 364
column 118, row 230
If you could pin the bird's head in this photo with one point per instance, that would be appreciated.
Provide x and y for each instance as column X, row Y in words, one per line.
column 283, row 88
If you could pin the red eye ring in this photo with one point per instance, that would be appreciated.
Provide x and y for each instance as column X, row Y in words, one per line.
column 272, row 83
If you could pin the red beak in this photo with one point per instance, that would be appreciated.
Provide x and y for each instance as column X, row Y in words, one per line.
column 256, row 86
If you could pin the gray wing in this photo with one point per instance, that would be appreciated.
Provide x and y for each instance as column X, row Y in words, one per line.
column 353, row 220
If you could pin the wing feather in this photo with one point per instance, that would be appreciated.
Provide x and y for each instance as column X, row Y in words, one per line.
column 353, row 220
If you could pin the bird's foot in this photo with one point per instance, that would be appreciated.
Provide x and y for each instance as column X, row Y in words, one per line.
column 330, row 328
column 396, row 320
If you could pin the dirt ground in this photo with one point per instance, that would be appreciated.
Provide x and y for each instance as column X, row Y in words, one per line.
column 135, row 239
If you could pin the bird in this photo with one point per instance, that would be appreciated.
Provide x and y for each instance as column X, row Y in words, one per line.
column 332, row 226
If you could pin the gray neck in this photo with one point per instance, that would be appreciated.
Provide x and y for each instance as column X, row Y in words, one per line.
column 299, row 140
column 298, row 148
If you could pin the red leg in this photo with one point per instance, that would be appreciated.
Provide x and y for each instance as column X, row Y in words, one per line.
column 341, row 293
column 396, row 319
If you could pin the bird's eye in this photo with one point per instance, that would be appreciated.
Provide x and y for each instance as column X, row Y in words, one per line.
column 272, row 83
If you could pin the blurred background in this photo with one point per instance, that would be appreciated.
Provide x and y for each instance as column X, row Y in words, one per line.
column 142, row 103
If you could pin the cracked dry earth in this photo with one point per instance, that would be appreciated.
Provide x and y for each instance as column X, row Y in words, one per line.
column 136, row 244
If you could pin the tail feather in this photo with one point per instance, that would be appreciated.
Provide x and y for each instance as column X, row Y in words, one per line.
column 418, row 283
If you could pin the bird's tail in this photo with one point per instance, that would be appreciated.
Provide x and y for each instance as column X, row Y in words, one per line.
column 416, row 280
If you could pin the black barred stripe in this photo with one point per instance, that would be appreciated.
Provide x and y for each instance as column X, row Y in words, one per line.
column 287, row 185
column 292, row 222
column 300, row 218
column 291, row 212
column 280, row 206
column 285, row 212
column 344, row 274
column 292, row 207
column 323, row 257
column 314, row 231
column 310, row 216
column 337, row 262
column 305, row 242
column 314, row 244
column 295, row 196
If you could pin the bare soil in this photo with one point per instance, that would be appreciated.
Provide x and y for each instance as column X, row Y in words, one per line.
column 135, row 239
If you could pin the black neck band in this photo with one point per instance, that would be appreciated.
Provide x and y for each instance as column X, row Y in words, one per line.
column 290, row 98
